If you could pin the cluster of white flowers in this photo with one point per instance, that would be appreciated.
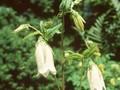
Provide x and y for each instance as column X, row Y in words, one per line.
column 45, row 65
column 44, row 58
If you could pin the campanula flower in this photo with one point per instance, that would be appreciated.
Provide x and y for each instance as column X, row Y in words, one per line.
column 95, row 78
column 44, row 58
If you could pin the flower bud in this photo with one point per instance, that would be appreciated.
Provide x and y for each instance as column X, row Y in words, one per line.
column 21, row 27
column 77, row 1
column 113, row 81
column 78, row 20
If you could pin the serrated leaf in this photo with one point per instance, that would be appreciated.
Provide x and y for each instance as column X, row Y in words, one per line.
column 65, row 5
column 55, row 30
column 95, row 31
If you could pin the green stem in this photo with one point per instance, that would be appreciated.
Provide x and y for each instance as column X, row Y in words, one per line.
column 83, row 68
column 82, row 71
column 57, row 83
column 63, row 78
column 85, row 40
column 35, row 29
column 63, row 59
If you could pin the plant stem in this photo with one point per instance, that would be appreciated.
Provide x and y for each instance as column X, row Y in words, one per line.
column 63, row 59
column 83, row 68
column 57, row 83
column 63, row 78
column 85, row 40
column 35, row 29
column 81, row 76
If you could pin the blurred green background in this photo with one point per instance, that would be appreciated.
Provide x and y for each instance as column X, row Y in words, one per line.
column 17, row 61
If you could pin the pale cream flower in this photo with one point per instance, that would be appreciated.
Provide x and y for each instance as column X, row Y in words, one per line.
column 95, row 78
column 44, row 58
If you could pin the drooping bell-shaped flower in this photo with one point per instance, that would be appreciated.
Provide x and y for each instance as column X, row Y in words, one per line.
column 44, row 58
column 95, row 78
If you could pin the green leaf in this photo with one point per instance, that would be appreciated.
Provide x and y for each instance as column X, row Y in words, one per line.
column 30, row 35
column 66, row 5
column 95, row 31
column 52, row 31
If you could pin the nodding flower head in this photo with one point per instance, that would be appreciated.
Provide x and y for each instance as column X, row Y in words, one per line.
column 95, row 78
column 44, row 58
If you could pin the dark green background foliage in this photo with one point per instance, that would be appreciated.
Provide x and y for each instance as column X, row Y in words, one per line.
column 17, row 62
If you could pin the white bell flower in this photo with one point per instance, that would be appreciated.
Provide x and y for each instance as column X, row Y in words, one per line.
column 95, row 78
column 44, row 58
